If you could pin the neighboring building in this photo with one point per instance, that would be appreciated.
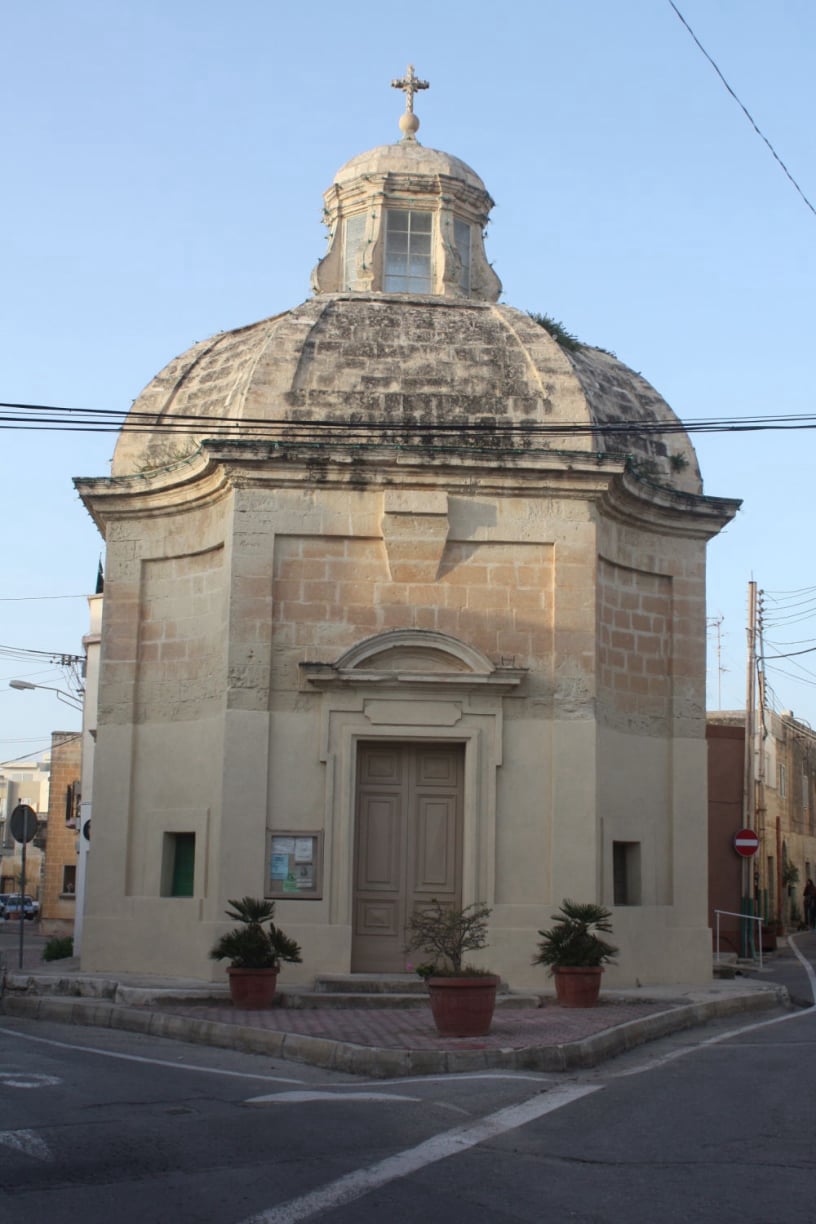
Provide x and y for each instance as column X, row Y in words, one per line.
column 789, row 819
column 783, row 814
column 91, row 643
column 402, row 601
column 58, row 893
column 725, row 735
column 24, row 781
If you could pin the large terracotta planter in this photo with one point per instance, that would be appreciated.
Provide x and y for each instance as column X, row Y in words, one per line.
column 463, row 1006
column 252, row 989
column 578, row 987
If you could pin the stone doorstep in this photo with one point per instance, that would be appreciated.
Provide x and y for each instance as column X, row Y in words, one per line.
column 381, row 990
column 376, row 983
column 302, row 999
column 369, row 983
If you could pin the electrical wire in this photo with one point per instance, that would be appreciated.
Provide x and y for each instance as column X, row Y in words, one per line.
column 744, row 110
column 102, row 420
column 799, row 591
column 791, row 654
column 58, row 657
column 779, row 671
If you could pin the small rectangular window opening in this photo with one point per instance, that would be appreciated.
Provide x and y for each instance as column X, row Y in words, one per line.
column 72, row 800
column 178, row 865
column 69, row 880
column 626, row 873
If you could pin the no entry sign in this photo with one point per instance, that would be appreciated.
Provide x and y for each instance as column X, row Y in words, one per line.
column 746, row 843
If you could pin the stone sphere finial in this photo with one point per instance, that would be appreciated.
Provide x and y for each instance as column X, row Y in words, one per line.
column 410, row 84
column 409, row 124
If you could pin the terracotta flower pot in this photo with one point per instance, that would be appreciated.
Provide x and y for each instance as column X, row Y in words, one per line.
column 578, row 987
column 463, row 1006
column 252, row 989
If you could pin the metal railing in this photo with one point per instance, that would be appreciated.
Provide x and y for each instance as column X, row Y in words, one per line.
column 732, row 914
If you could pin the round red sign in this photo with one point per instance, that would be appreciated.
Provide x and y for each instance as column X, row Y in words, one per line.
column 746, row 843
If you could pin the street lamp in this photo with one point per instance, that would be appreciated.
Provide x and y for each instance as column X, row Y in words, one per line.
column 66, row 698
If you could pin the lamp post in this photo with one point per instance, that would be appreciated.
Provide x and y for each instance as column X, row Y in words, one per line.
column 67, row 698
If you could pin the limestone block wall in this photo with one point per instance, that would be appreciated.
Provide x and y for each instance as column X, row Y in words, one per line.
column 181, row 633
column 209, row 723
column 634, row 645
column 513, row 578
column 329, row 592
column 160, row 735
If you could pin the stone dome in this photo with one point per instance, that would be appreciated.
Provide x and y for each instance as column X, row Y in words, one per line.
column 405, row 343
column 471, row 370
column 408, row 157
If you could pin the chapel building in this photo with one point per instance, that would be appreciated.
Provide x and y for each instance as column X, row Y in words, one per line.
column 403, row 601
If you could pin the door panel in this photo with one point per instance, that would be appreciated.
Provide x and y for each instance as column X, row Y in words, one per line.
column 378, row 862
column 435, row 848
column 408, row 844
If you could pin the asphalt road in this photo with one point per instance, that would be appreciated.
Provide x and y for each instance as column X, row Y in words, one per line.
column 113, row 1128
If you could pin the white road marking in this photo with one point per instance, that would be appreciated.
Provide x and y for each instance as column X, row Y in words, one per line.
column 154, row 1062
column 651, row 1063
column 808, row 968
column 27, row 1142
column 299, row 1098
column 24, row 1079
column 449, row 1143
column 542, row 1077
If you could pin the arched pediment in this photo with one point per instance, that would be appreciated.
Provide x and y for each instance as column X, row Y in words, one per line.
column 415, row 650
column 412, row 656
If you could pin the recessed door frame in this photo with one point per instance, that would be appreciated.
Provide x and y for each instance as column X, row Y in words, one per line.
column 398, row 804
column 344, row 728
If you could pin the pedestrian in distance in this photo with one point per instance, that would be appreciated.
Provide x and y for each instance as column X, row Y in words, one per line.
column 809, row 904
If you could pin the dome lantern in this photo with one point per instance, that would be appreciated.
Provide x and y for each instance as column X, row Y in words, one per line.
column 407, row 220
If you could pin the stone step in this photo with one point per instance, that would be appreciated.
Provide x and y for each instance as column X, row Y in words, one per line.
column 302, row 999
column 369, row 983
column 295, row 998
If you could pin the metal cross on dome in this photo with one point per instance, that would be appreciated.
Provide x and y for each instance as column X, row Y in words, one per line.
column 409, row 84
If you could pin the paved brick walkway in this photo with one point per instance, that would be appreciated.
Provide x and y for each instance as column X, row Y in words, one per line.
column 413, row 1029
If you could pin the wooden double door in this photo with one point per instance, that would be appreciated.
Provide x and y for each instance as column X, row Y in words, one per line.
column 408, row 845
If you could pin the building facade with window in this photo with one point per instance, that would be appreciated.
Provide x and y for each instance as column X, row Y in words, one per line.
column 24, row 781
column 787, row 816
column 782, row 812
column 59, row 886
column 403, row 601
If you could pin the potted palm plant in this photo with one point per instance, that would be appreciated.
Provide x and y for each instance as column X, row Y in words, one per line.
column 576, row 952
column 255, row 950
column 462, row 998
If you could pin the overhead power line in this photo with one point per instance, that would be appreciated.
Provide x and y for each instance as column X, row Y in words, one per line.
column 744, row 110
column 35, row 598
column 104, row 420
column 57, row 657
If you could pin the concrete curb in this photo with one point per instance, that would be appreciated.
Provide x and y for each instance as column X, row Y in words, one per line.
column 376, row 1062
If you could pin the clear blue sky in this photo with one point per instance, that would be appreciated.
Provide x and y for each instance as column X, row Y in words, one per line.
column 164, row 163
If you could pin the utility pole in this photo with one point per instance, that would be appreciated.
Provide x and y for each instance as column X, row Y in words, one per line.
column 761, row 872
column 748, row 787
